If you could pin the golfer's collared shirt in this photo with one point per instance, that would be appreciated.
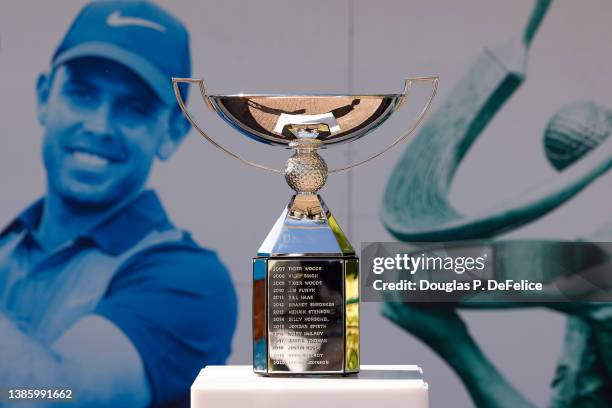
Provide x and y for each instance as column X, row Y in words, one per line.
column 172, row 299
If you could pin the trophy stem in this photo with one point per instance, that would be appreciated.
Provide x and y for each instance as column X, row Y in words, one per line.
column 306, row 170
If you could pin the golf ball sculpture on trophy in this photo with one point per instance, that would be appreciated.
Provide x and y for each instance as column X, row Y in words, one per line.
column 306, row 273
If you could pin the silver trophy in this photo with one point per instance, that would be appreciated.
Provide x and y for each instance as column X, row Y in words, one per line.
column 306, row 273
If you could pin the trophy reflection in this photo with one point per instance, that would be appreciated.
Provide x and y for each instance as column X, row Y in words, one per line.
column 306, row 273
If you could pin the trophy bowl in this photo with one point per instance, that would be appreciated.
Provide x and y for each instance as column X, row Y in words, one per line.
column 269, row 118
column 306, row 272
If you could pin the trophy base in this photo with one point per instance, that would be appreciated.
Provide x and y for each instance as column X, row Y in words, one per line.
column 393, row 386
column 305, row 315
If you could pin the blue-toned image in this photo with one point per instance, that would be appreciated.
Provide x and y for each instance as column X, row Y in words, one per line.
column 100, row 293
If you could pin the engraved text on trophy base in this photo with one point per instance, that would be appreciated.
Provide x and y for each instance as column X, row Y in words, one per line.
column 305, row 311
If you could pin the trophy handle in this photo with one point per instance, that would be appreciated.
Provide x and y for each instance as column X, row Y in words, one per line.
column 407, row 86
column 190, row 118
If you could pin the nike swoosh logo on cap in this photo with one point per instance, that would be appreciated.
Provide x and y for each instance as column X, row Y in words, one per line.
column 115, row 19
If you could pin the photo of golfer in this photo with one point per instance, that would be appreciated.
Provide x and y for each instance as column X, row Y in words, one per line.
column 100, row 294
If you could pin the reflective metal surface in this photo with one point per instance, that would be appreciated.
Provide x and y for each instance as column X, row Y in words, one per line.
column 351, row 320
column 273, row 118
column 305, row 315
column 260, row 338
column 306, row 228
column 306, row 171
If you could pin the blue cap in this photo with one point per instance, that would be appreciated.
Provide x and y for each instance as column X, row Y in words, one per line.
column 137, row 34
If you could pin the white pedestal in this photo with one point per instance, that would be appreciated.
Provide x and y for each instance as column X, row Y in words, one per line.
column 374, row 387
